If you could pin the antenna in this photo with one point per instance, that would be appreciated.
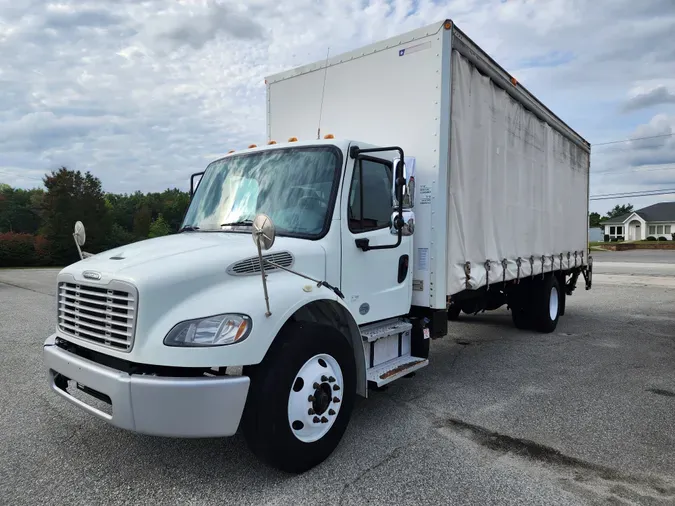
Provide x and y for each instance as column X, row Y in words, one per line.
column 323, row 92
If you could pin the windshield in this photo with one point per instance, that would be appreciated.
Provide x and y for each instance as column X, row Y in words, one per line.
column 293, row 186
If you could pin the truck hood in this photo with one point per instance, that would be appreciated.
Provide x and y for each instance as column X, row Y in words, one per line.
column 190, row 256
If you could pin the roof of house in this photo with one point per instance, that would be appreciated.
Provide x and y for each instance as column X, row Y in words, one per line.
column 663, row 211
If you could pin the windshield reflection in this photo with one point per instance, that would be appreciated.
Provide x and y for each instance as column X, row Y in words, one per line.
column 294, row 186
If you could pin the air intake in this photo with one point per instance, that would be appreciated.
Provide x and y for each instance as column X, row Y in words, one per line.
column 252, row 265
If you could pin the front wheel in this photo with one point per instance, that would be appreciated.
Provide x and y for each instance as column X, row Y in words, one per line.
column 301, row 397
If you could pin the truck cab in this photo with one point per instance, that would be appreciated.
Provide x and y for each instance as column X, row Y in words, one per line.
column 191, row 335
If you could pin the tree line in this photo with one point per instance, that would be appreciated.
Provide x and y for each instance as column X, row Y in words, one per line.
column 36, row 225
column 595, row 219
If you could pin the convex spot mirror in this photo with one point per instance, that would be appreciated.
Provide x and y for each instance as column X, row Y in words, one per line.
column 264, row 232
column 79, row 234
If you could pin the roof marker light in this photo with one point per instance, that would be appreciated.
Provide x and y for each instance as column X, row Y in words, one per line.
column 447, row 25
column 293, row 139
column 514, row 81
column 253, row 146
column 329, row 136
column 230, row 151
column 271, row 142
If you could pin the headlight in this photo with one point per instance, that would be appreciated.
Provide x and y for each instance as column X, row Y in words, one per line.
column 218, row 330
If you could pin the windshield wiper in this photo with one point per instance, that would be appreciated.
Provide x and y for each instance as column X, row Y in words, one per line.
column 188, row 228
column 236, row 223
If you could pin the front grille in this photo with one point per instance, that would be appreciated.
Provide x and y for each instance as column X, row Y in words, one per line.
column 103, row 315
column 252, row 265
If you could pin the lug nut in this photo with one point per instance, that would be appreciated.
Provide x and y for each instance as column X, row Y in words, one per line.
column 316, row 419
column 331, row 379
column 336, row 387
column 331, row 412
column 310, row 411
column 336, row 400
column 316, row 386
column 324, row 378
column 324, row 419
column 311, row 398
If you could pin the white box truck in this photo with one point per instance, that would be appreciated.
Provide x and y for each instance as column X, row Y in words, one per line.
column 416, row 180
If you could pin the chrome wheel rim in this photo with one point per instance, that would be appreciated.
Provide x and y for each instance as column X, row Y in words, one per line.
column 315, row 398
column 553, row 304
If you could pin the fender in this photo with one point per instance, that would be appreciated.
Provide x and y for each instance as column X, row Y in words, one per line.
column 334, row 313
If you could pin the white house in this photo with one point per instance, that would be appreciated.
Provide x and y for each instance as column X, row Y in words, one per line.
column 656, row 221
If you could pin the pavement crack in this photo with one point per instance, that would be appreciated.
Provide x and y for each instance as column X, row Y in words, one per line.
column 661, row 391
column 643, row 485
column 26, row 288
column 393, row 455
column 454, row 360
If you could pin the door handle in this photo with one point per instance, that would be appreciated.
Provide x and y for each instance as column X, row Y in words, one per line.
column 363, row 244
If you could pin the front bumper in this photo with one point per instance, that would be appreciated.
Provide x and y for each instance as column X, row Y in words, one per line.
column 159, row 406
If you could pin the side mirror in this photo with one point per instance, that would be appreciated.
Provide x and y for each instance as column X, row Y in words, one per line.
column 404, row 182
column 80, row 236
column 193, row 188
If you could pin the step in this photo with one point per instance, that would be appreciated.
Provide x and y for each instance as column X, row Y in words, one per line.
column 376, row 331
column 395, row 369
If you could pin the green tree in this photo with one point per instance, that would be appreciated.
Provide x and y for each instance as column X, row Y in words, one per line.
column 159, row 227
column 72, row 196
column 618, row 210
column 594, row 220
column 17, row 210
column 142, row 221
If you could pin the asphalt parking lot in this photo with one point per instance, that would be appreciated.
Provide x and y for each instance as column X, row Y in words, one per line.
column 585, row 415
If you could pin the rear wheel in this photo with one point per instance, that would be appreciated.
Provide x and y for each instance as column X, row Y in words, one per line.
column 547, row 304
column 301, row 397
column 520, row 302
column 453, row 312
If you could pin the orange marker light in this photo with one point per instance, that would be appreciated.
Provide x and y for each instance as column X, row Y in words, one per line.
column 271, row 142
column 329, row 136
column 241, row 330
column 253, row 146
column 293, row 139
column 447, row 25
column 514, row 81
column 230, row 151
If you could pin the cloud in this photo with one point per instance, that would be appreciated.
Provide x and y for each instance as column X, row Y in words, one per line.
column 658, row 96
column 174, row 30
column 141, row 92
column 62, row 19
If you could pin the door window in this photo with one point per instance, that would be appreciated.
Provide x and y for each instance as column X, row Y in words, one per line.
column 370, row 207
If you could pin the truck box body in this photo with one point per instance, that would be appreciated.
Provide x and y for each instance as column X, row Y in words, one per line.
column 501, row 183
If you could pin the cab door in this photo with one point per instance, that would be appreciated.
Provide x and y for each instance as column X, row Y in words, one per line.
column 377, row 283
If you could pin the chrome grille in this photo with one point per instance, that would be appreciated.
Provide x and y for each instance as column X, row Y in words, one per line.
column 105, row 315
column 252, row 265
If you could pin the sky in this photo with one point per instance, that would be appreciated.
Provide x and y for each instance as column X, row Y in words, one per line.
column 143, row 93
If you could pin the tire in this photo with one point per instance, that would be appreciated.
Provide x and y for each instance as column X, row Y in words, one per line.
column 317, row 354
column 546, row 304
column 453, row 313
column 521, row 318
column 521, row 309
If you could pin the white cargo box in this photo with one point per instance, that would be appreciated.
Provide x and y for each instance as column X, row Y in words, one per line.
column 501, row 183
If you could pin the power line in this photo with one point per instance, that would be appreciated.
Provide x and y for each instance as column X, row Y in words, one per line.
column 633, row 139
column 639, row 191
column 626, row 195
column 631, row 170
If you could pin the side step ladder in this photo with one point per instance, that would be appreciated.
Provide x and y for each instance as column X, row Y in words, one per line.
column 387, row 347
